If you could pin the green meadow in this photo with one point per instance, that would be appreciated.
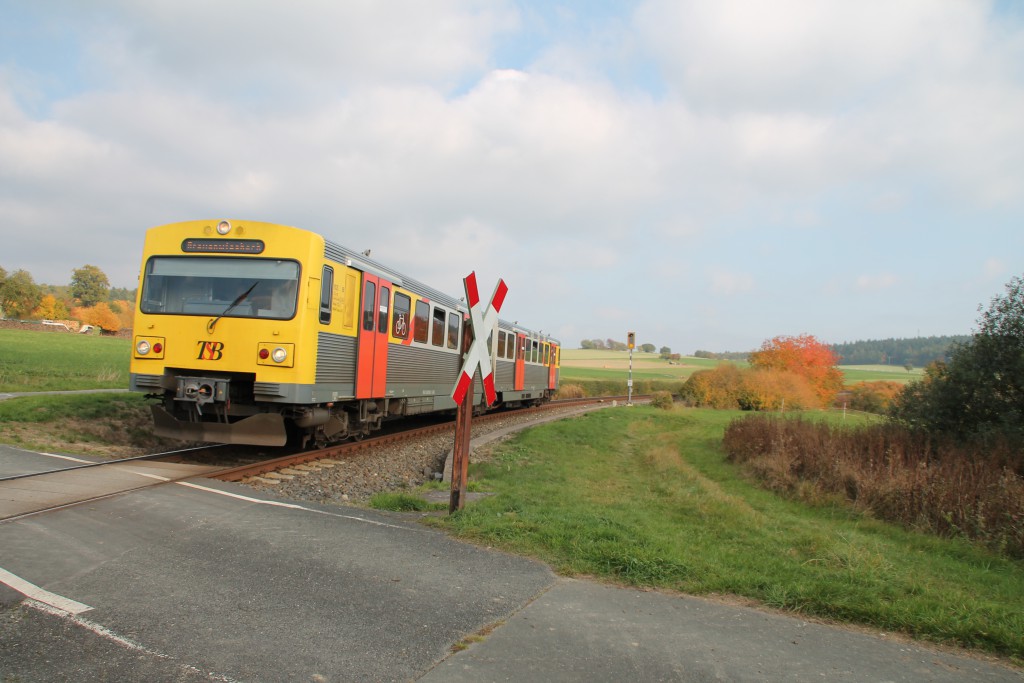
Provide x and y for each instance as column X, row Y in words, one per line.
column 59, row 361
column 645, row 497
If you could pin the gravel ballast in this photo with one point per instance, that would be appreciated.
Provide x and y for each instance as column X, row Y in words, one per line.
column 394, row 467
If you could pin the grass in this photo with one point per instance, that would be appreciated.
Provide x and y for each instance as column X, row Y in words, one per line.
column 645, row 497
column 98, row 424
column 53, row 361
column 874, row 373
column 403, row 502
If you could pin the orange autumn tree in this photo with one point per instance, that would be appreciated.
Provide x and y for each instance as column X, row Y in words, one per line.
column 50, row 308
column 805, row 356
column 99, row 315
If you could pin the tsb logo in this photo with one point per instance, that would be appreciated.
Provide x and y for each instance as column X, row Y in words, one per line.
column 210, row 350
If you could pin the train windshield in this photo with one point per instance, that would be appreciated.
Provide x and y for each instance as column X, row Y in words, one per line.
column 228, row 287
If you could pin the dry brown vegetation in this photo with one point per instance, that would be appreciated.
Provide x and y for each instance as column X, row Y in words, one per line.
column 892, row 473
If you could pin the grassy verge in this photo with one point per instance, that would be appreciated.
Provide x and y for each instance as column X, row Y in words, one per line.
column 97, row 424
column 645, row 497
column 51, row 361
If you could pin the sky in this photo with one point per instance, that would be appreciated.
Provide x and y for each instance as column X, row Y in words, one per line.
column 706, row 173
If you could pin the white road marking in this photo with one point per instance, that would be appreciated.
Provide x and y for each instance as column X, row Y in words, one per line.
column 292, row 506
column 104, row 632
column 68, row 457
column 30, row 590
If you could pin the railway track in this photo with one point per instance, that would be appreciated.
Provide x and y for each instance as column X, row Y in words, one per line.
column 34, row 493
column 349, row 449
column 28, row 494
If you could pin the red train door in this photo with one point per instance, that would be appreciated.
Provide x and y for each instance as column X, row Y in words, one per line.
column 520, row 378
column 553, row 367
column 372, row 359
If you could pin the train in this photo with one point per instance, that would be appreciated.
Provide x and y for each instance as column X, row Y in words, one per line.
column 257, row 333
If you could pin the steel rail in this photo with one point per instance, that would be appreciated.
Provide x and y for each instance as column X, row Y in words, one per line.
column 170, row 456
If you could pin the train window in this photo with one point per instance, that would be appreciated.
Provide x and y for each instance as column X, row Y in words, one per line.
column 400, row 325
column 510, row 349
column 500, row 351
column 384, row 309
column 369, row 299
column 326, row 294
column 437, row 333
column 421, row 328
column 223, row 287
column 453, row 330
column 533, row 351
column 546, row 358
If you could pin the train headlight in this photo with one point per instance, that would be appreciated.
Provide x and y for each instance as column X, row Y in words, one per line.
column 223, row 228
column 276, row 354
column 149, row 347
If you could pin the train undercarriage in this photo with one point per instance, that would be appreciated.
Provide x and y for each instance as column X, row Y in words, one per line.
column 226, row 410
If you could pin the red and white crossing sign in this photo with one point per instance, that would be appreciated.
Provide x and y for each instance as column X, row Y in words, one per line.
column 483, row 320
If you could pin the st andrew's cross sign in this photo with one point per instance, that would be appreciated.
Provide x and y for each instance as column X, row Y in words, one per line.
column 483, row 320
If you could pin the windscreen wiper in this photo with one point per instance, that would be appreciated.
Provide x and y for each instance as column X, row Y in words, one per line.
column 239, row 299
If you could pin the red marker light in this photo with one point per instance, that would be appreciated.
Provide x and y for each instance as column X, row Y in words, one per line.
column 158, row 348
column 264, row 354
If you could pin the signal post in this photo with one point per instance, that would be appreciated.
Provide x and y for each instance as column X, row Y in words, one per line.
column 478, row 356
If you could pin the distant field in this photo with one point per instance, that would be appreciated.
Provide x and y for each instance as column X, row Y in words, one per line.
column 875, row 373
column 603, row 364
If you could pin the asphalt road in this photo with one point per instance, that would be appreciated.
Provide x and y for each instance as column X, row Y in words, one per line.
column 207, row 581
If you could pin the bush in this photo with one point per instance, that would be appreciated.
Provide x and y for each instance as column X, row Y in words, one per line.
column 663, row 400
column 873, row 397
column 891, row 472
column 717, row 388
column 609, row 387
column 571, row 391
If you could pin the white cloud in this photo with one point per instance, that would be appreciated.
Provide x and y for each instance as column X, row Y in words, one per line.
column 254, row 47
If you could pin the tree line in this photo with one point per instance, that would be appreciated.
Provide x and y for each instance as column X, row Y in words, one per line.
column 917, row 351
column 88, row 298
column 613, row 345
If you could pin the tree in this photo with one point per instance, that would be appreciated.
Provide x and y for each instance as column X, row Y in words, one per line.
column 665, row 350
column 89, row 285
column 50, row 308
column 125, row 313
column 19, row 295
column 99, row 315
column 980, row 391
column 647, row 348
column 805, row 356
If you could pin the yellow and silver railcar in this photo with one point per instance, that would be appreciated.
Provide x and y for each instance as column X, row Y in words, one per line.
column 252, row 332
